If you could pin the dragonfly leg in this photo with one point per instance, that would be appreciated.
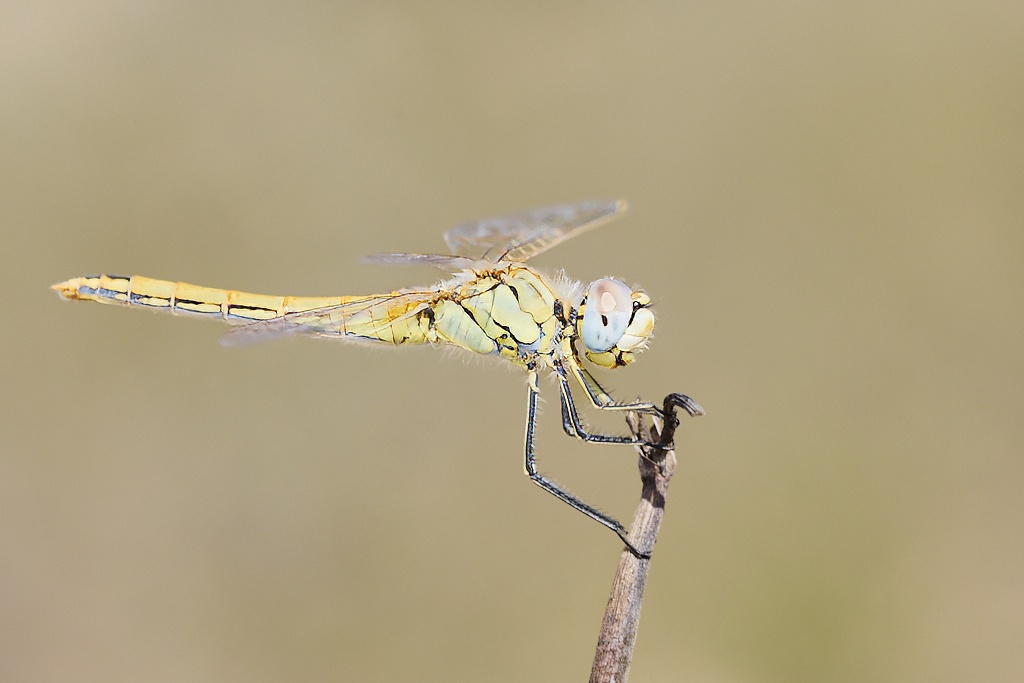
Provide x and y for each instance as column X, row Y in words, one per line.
column 572, row 424
column 601, row 399
column 553, row 488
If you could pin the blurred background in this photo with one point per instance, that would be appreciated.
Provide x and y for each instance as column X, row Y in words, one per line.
column 827, row 210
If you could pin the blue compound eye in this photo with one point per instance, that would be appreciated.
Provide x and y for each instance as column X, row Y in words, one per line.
column 609, row 307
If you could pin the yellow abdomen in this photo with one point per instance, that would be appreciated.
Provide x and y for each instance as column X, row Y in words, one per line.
column 181, row 298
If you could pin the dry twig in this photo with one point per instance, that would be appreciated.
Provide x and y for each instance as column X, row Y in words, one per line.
column 622, row 615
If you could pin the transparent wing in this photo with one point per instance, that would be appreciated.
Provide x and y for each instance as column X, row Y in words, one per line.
column 452, row 264
column 523, row 235
column 330, row 321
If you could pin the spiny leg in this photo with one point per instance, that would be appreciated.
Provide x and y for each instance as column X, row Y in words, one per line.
column 603, row 401
column 600, row 398
column 572, row 424
column 553, row 488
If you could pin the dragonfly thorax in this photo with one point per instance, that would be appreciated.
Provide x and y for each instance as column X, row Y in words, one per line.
column 614, row 323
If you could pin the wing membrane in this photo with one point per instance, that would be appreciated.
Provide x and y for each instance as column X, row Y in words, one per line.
column 447, row 262
column 521, row 236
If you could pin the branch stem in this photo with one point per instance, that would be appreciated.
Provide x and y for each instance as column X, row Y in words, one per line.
column 622, row 615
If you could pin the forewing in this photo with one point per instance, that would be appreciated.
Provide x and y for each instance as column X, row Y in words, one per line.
column 325, row 322
column 523, row 235
column 447, row 262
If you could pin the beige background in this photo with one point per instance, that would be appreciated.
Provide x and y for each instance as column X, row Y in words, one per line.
column 827, row 211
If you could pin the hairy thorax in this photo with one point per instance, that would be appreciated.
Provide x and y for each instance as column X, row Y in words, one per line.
column 510, row 311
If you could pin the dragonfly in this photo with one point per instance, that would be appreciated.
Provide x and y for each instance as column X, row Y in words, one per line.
column 491, row 303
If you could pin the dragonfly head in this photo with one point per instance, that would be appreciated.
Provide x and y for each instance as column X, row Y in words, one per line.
column 615, row 322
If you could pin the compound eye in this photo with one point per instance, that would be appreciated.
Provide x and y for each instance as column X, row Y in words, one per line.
column 606, row 317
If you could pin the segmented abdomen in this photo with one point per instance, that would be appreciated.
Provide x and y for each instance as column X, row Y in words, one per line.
column 182, row 298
